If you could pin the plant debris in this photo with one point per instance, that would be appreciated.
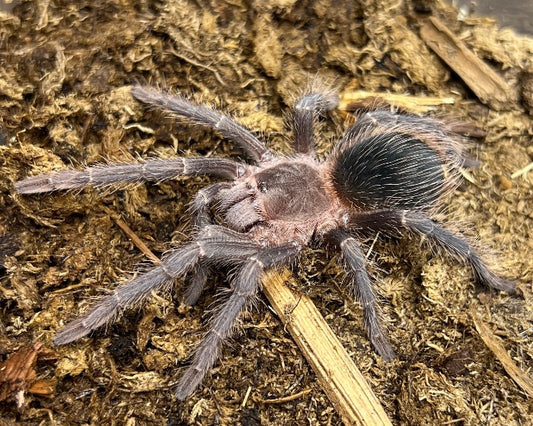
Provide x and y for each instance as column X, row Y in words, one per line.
column 18, row 374
column 67, row 69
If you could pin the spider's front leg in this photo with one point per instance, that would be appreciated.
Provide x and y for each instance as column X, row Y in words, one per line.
column 202, row 217
column 392, row 220
column 151, row 170
column 204, row 116
column 214, row 241
column 244, row 288
column 305, row 113
column 362, row 290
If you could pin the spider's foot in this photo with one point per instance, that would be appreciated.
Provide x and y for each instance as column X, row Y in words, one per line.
column 499, row 283
column 490, row 279
column 382, row 346
column 71, row 332
column 189, row 382
column 35, row 184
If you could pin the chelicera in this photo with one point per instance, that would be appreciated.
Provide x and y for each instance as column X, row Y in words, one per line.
column 387, row 174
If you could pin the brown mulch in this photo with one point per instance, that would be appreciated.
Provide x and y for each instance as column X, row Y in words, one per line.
column 66, row 69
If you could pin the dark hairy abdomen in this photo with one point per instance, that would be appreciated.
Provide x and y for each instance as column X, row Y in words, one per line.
column 390, row 170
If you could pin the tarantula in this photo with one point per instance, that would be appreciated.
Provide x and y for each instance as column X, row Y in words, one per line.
column 387, row 174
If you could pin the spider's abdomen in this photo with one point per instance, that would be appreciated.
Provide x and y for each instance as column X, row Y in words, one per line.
column 389, row 170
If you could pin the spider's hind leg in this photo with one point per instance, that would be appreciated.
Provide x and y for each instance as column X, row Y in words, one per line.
column 392, row 220
column 131, row 293
column 210, row 245
column 362, row 290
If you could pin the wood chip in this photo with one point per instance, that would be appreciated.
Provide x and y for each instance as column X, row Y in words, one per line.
column 18, row 374
column 488, row 86
column 340, row 379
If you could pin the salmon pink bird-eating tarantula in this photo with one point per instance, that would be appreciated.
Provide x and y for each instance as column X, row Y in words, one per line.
column 387, row 174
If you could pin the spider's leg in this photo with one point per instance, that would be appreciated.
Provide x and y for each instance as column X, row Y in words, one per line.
column 151, row 170
column 203, row 201
column 196, row 283
column 305, row 113
column 362, row 289
column 160, row 277
column 202, row 217
column 438, row 136
column 382, row 120
column 201, row 272
column 244, row 288
column 206, row 117
column 391, row 220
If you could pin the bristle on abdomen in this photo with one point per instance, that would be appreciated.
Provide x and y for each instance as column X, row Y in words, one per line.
column 390, row 170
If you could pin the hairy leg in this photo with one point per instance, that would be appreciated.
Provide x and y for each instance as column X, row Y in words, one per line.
column 151, row 170
column 306, row 110
column 206, row 117
column 385, row 121
column 196, row 283
column 244, row 288
column 392, row 220
column 217, row 245
column 362, row 289
column 202, row 217
column 204, row 199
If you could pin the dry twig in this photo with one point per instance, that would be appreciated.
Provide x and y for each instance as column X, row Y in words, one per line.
column 496, row 347
column 342, row 382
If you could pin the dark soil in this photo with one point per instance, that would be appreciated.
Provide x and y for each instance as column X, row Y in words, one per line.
column 65, row 74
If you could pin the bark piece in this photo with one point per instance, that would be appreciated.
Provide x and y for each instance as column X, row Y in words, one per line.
column 487, row 85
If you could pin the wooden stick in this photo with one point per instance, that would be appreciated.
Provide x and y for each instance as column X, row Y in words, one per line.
column 488, row 86
column 523, row 171
column 132, row 236
column 285, row 399
column 343, row 383
column 361, row 99
column 494, row 344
